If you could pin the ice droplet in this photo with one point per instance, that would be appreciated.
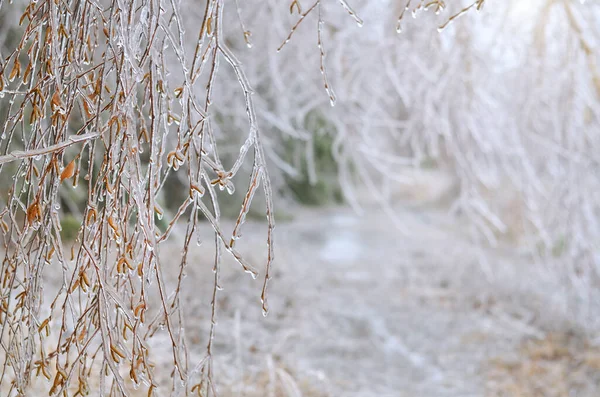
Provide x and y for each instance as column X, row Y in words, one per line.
column 252, row 273
column 332, row 100
column 230, row 187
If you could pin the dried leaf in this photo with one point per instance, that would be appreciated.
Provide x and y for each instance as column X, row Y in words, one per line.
column 16, row 70
column 56, row 103
column 69, row 170
column 209, row 26
column 86, row 108
column 178, row 91
column 91, row 215
column 25, row 15
column 62, row 31
column 34, row 213
column 27, row 73
column 296, row 5
column 43, row 324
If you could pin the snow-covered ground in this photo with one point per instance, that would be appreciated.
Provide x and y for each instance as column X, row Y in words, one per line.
column 375, row 305
column 360, row 307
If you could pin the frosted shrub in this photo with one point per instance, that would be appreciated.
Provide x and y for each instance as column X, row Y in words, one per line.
column 112, row 98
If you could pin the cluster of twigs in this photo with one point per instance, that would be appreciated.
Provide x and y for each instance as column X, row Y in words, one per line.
column 414, row 7
column 110, row 95
column 90, row 102
column 506, row 102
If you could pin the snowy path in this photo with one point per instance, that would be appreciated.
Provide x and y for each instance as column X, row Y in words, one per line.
column 360, row 309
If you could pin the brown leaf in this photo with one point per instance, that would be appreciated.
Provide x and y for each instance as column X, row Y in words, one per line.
column 34, row 213
column 92, row 215
column 295, row 4
column 25, row 15
column 62, row 31
column 28, row 70
column 44, row 324
column 178, row 91
column 209, row 26
column 56, row 103
column 16, row 70
column 35, row 114
column 86, row 108
column 69, row 170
